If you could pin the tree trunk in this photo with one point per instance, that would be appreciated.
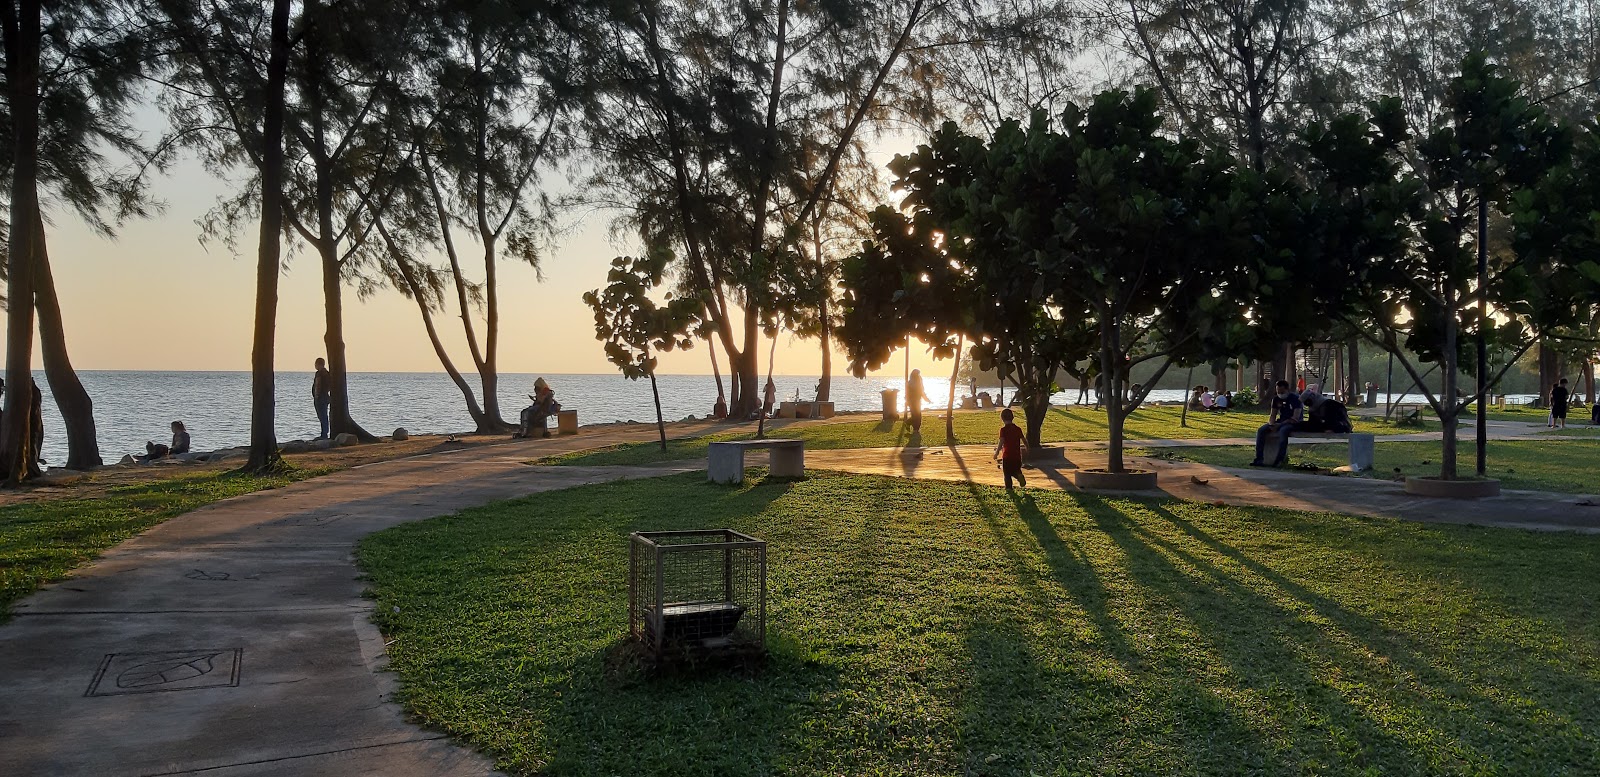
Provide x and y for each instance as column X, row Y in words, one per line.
column 1110, row 354
column 21, row 36
column 1188, row 392
column 1035, row 410
column 711, row 345
column 479, row 420
column 488, row 371
column 1588, row 379
column 950, row 407
column 772, row 354
column 1358, row 392
column 264, row 456
column 339, row 420
column 661, row 424
column 77, row 409
column 825, row 382
column 1449, row 407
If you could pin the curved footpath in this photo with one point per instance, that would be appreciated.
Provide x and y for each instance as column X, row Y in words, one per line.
column 234, row 640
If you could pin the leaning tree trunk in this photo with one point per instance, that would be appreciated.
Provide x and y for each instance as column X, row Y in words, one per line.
column 661, row 424
column 21, row 40
column 264, row 456
column 950, row 406
column 77, row 409
column 479, row 420
column 716, row 372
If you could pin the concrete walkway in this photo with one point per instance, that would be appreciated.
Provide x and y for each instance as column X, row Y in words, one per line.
column 1288, row 489
column 234, row 640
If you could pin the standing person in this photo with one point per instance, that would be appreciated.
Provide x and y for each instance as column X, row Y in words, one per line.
column 1083, row 389
column 1009, row 449
column 1558, row 404
column 914, row 397
column 322, row 395
column 769, row 397
column 1286, row 407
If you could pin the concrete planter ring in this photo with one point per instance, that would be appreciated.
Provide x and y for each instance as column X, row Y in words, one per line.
column 1047, row 453
column 1131, row 480
column 1453, row 489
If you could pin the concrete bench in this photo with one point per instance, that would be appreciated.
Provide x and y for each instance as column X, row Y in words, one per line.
column 725, row 460
column 1361, row 446
column 566, row 422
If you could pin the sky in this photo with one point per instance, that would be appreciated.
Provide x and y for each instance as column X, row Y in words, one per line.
column 156, row 298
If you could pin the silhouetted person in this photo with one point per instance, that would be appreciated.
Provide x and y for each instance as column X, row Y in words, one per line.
column 322, row 395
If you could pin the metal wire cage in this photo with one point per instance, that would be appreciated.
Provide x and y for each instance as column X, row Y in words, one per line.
column 697, row 593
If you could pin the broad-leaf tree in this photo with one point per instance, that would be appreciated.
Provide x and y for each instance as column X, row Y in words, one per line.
column 634, row 327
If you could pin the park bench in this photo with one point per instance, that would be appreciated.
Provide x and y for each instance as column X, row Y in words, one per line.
column 1361, row 446
column 725, row 460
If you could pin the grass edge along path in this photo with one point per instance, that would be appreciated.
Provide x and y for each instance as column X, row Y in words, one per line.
column 928, row 628
column 1563, row 464
column 974, row 427
column 42, row 542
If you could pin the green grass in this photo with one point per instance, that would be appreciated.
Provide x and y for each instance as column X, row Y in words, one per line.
column 925, row 628
column 1574, row 431
column 1564, row 466
column 1076, row 424
column 42, row 541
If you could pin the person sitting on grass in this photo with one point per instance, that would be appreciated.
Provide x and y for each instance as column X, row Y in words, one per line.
column 1009, row 449
column 1286, row 409
column 1208, row 400
column 1224, row 400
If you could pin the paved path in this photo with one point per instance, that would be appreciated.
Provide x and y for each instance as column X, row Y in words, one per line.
column 1227, row 485
column 234, row 640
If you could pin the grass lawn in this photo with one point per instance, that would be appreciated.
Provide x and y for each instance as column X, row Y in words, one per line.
column 1075, row 424
column 925, row 628
column 43, row 541
column 1558, row 465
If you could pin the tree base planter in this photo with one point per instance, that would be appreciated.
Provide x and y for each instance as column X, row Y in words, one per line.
column 1131, row 480
column 1047, row 453
column 1453, row 489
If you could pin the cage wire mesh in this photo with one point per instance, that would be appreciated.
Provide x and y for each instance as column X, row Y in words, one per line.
column 697, row 593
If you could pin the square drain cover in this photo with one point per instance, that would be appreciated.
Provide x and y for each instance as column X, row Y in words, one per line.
column 171, row 670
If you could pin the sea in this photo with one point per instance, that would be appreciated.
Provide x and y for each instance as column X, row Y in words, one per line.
column 131, row 408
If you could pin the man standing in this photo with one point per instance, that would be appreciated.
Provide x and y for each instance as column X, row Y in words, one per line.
column 1558, row 404
column 322, row 395
column 1286, row 407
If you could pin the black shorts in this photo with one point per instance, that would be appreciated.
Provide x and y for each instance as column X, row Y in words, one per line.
column 1558, row 411
column 1011, row 467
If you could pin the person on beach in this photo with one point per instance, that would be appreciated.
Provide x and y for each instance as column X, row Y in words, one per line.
column 322, row 395
column 1558, row 404
column 1009, row 449
column 535, row 418
column 179, row 446
column 1286, row 408
column 914, row 396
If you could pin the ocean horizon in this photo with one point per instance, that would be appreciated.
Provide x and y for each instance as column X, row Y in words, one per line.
column 135, row 406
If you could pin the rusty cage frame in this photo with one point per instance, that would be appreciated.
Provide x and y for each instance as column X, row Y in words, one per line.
column 697, row 592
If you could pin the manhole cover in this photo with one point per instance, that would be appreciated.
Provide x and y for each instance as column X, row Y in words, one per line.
column 169, row 670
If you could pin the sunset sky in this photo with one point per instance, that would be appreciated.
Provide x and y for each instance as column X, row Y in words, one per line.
column 155, row 298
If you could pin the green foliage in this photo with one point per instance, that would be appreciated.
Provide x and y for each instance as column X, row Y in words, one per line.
column 632, row 325
column 922, row 628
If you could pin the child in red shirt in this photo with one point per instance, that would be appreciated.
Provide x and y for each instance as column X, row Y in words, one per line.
column 1010, row 448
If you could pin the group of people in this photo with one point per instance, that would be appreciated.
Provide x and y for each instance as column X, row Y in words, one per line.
column 1202, row 398
column 1308, row 411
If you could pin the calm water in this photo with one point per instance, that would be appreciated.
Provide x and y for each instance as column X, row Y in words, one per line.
column 133, row 407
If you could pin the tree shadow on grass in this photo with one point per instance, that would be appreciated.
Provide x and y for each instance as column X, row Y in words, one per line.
column 1457, row 692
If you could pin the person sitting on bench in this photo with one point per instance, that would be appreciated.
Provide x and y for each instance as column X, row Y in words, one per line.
column 1323, row 414
column 1286, row 410
column 536, row 417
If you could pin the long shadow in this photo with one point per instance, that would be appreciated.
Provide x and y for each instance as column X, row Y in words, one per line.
column 1256, row 650
column 1380, row 646
column 1195, row 715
